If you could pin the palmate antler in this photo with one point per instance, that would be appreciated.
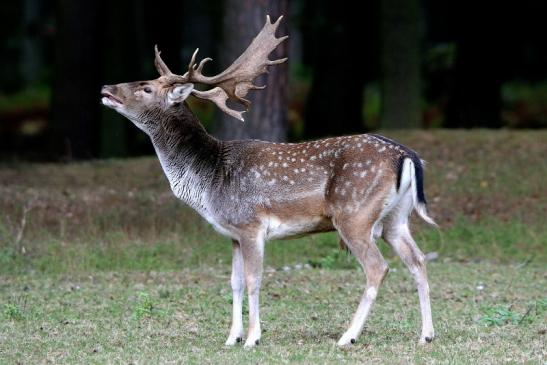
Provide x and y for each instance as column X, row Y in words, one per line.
column 235, row 82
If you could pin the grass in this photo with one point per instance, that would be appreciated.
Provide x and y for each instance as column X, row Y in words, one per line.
column 99, row 263
column 183, row 317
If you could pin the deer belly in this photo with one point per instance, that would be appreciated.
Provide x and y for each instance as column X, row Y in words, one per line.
column 279, row 229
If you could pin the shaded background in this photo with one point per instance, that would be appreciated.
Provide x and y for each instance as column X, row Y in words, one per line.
column 353, row 68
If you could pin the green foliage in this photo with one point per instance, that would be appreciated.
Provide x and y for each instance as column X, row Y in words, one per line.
column 372, row 104
column 12, row 311
column 541, row 306
column 440, row 57
column 25, row 99
column 524, row 104
column 145, row 307
column 502, row 315
column 9, row 258
column 164, row 293
column 334, row 259
column 499, row 316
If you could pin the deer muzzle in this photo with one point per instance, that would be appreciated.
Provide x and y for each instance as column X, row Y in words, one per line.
column 110, row 96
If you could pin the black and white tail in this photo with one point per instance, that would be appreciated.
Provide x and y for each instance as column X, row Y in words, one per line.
column 411, row 169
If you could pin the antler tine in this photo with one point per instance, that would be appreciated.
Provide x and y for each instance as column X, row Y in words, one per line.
column 188, row 73
column 192, row 65
column 193, row 60
column 202, row 63
column 160, row 65
column 276, row 24
column 236, row 81
column 219, row 97
column 277, row 62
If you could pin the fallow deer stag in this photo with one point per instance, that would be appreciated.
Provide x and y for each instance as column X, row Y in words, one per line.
column 365, row 187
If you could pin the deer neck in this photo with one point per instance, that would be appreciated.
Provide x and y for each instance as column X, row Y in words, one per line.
column 188, row 155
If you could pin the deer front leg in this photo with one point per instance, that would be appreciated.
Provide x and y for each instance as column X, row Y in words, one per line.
column 238, row 286
column 253, row 256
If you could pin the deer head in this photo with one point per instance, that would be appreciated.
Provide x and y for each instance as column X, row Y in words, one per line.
column 142, row 101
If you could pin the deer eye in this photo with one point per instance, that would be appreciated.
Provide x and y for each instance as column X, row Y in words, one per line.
column 147, row 90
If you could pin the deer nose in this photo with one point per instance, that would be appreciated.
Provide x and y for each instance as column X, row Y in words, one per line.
column 112, row 89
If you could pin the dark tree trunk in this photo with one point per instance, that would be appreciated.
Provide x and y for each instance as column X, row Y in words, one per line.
column 11, row 18
column 400, row 50
column 76, row 98
column 475, row 98
column 340, row 40
column 267, row 117
column 32, row 62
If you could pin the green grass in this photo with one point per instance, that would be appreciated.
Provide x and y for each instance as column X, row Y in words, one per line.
column 120, row 251
column 183, row 317
column 100, row 264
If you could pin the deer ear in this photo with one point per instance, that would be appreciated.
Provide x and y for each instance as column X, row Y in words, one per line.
column 179, row 93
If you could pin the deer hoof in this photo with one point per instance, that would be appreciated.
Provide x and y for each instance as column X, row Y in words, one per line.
column 426, row 339
column 251, row 343
column 231, row 341
column 347, row 340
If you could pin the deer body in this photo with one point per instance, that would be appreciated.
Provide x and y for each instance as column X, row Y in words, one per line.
column 364, row 187
column 281, row 190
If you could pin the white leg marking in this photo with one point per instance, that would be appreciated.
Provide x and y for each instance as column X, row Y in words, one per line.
column 253, row 254
column 238, row 286
column 414, row 259
column 359, row 318
column 375, row 269
column 428, row 333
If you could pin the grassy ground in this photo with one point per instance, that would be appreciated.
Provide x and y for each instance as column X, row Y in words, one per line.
column 183, row 317
column 99, row 263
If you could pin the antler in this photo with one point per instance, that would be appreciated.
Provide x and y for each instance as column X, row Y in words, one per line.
column 160, row 65
column 236, row 81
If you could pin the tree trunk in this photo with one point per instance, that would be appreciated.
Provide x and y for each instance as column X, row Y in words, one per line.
column 76, row 98
column 267, row 116
column 31, row 60
column 11, row 18
column 400, row 50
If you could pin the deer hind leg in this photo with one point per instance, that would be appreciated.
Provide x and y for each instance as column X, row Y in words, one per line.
column 252, row 251
column 238, row 287
column 404, row 245
column 359, row 239
column 397, row 234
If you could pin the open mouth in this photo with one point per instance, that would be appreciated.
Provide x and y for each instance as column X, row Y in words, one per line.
column 109, row 99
